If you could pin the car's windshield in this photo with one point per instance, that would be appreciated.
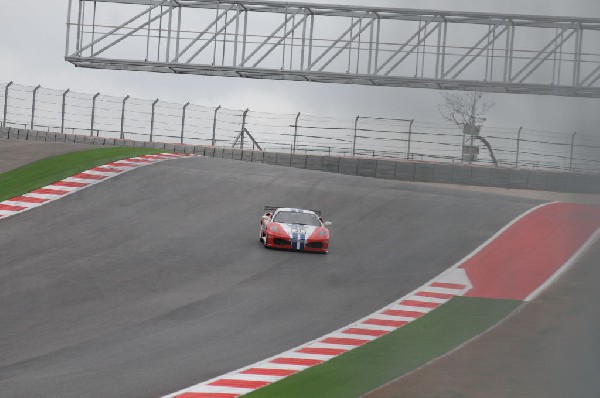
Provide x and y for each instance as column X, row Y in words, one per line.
column 290, row 217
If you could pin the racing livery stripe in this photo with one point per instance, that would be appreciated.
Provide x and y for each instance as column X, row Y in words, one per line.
column 295, row 237
column 76, row 182
column 297, row 233
column 580, row 226
column 302, row 238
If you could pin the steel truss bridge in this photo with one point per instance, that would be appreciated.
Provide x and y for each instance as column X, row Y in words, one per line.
column 445, row 50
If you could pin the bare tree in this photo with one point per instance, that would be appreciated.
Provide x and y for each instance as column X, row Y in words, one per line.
column 464, row 108
column 467, row 108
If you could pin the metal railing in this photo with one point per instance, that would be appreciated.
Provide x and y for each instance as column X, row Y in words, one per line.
column 363, row 136
column 367, row 45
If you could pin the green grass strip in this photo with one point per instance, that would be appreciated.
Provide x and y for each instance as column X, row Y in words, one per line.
column 395, row 354
column 46, row 171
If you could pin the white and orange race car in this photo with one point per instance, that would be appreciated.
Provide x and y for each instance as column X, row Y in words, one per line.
column 294, row 229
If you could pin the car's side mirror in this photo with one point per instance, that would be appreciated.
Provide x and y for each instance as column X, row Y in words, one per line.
column 328, row 223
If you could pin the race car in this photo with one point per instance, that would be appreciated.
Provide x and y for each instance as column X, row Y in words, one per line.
column 294, row 229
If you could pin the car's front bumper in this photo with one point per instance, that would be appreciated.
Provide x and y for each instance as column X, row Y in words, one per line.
column 313, row 245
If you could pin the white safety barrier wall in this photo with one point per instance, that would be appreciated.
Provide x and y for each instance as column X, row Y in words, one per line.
column 401, row 170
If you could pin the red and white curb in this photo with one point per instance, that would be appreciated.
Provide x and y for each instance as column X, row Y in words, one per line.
column 459, row 280
column 77, row 182
column 382, row 322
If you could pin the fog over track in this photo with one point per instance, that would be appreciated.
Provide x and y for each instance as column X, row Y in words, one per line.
column 155, row 280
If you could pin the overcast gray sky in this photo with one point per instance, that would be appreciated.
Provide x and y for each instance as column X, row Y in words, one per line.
column 32, row 35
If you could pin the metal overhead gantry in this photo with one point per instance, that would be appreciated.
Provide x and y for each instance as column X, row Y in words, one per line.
column 446, row 50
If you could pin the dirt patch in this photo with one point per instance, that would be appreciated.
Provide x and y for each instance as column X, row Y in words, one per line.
column 14, row 153
column 548, row 349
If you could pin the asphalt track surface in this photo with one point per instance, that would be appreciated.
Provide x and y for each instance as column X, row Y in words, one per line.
column 155, row 280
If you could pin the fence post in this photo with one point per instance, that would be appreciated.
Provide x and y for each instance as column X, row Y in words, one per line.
column 243, row 128
column 93, row 118
column 354, row 141
column 214, row 135
column 6, row 102
column 518, row 146
column 295, row 132
column 62, row 118
column 571, row 156
column 33, row 106
column 123, row 117
column 183, row 120
column 409, row 139
column 152, row 120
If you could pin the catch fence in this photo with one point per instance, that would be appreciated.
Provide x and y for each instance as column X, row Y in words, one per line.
column 107, row 116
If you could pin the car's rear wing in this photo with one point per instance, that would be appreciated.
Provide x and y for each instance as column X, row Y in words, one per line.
column 271, row 209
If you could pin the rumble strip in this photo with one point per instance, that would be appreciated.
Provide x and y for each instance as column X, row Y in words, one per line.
column 516, row 263
column 77, row 182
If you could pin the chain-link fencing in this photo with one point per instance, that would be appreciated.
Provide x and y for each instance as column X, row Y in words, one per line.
column 106, row 116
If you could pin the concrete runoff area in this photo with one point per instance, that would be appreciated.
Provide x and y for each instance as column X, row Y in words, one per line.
column 548, row 349
column 17, row 153
column 155, row 280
